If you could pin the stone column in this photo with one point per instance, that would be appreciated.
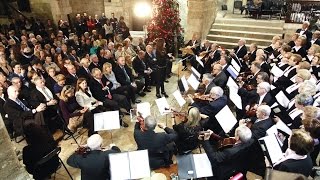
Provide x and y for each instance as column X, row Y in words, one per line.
column 201, row 15
column 10, row 169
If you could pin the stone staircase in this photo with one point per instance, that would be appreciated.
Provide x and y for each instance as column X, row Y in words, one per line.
column 226, row 31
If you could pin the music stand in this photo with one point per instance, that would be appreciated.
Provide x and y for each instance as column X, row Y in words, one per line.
column 107, row 121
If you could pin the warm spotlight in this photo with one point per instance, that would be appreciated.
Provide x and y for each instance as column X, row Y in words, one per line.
column 142, row 9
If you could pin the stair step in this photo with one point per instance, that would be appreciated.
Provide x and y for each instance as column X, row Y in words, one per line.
column 252, row 28
column 235, row 39
column 247, row 21
column 245, row 34
column 230, row 45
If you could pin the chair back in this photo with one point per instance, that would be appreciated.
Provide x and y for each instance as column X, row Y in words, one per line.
column 49, row 156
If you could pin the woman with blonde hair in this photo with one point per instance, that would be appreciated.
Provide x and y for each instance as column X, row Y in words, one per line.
column 73, row 114
column 117, row 88
column 187, row 129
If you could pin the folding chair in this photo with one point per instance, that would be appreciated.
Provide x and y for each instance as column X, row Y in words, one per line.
column 48, row 157
column 65, row 129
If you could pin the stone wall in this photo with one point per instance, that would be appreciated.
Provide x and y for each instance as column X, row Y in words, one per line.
column 183, row 13
column 289, row 29
column 10, row 168
column 90, row 7
column 201, row 15
column 120, row 8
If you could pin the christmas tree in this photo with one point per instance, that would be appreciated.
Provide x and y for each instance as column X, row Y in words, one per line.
column 165, row 22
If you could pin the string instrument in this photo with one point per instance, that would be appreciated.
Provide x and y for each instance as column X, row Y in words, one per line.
column 141, row 121
column 201, row 97
column 251, row 112
column 243, row 80
column 83, row 150
column 226, row 143
column 187, row 50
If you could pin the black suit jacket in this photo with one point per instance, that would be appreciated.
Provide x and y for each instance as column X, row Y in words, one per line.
column 121, row 77
column 221, row 80
column 307, row 33
column 71, row 80
column 260, row 128
column 225, row 163
column 17, row 115
column 96, row 89
column 95, row 165
column 139, row 66
column 154, row 142
column 92, row 65
column 50, row 82
column 84, row 74
column 242, row 52
column 303, row 166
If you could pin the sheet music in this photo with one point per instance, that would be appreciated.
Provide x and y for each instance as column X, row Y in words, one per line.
column 199, row 60
column 293, row 79
column 232, row 84
column 282, row 99
column 162, row 104
column 235, row 65
column 195, row 72
column 202, row 165
column 185, row 83
column 272, row 87
column 139, row 164
column 119, row 166
column 233, row 72
column 226, row 119
column 273, row 148
column 192, row 80
column 106, row 121
column 276, row 71
column 177, row 95
column 144, row 109
column 233, row 93
column 283, row 127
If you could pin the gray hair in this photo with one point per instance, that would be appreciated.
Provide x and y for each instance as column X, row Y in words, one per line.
column 150, row 123
column 304, row 99
column 218, row 91
column 244, row 133
column 264, row 109
column 308, row 87
column 92, row 56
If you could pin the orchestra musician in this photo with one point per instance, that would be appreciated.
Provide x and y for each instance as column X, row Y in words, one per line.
column 194, row 45
column 241, row 49
column 220, row 78
column 210, row 57
column 187, row 128
column 94, row 161
column 159, row 145
column 225, row 163
column 212, row 107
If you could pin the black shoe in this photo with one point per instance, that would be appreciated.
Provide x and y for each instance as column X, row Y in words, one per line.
column 124, row 124
column 146, row 90
column 149, row 88
column 166, row 81
column 165, row 95
column 142, row 94
column 158, row 95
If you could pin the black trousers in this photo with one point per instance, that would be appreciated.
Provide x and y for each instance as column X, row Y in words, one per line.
column 160, row 78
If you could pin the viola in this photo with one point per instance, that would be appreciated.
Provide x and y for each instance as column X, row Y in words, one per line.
column 141, row 122
column 83, row 150
column 201, row 97
column 252, row 111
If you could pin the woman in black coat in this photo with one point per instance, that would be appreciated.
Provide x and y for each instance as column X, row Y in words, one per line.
column 161, row 64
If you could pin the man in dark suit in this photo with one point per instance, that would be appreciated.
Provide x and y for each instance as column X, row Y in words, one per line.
column 42, row 95
column 207, row 82
column 72, row 77
column 95, row 163
column 94, row 62
column 262, row 96
column 159, row 145
column 84, row 70
column 37, row 66
column 50, row 81
column 305, row 30
column 220, row 78
column 124, row 76
column 18, row 112
column 230, row 160
column 150, row 61
column 212, row 57
column 142, row 69
column 241, row 49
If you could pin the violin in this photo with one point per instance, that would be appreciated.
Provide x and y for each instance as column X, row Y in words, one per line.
column 201, row 97
column 252, row 111
column 243, row 79
column 226, row 143
column 83, row 150
column 141, row 122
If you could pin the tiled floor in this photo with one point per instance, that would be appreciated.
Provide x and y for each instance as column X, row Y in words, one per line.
column 123, row 137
